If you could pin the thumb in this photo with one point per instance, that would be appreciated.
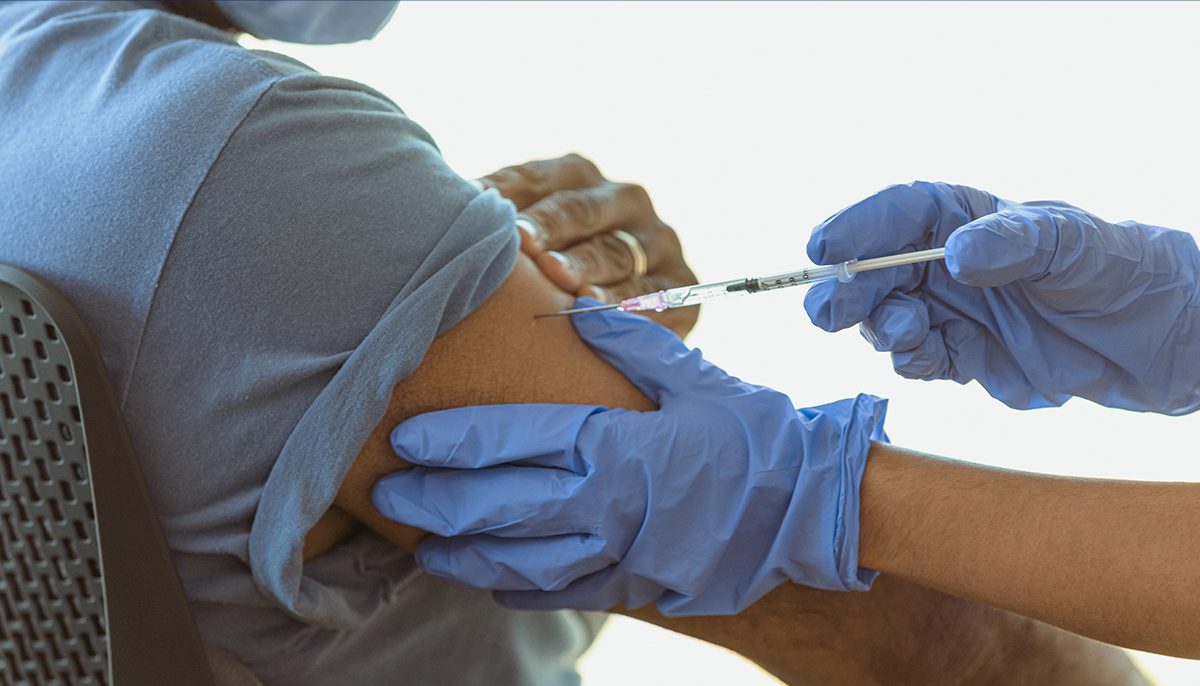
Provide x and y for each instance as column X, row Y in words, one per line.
column 653, row 358
column 1014, row 243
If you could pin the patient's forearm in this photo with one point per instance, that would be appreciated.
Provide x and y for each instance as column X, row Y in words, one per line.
column 1116, row 560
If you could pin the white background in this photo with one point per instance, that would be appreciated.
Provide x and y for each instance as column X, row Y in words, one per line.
column 750, row 123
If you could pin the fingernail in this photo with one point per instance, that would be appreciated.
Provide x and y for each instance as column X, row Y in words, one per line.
column 567, row 263
column 532, row 231
column 596, row 293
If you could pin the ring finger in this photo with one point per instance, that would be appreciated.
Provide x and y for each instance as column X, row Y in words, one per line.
column 606, row 259
column 567, row 217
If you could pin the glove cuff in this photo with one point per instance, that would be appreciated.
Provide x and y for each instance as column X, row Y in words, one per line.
column 866, row 425
column 824, row 548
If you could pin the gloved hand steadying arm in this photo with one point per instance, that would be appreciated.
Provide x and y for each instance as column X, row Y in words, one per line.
column 1036, row 301
column 701, row 507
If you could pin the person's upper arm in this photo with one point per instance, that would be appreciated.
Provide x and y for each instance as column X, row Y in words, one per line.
column 498, row 354
column 326, row 248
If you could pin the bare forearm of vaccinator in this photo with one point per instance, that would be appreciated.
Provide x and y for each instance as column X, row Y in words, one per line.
column 1115, row 560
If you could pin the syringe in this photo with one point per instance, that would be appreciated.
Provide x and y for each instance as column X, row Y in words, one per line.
column 686, row 296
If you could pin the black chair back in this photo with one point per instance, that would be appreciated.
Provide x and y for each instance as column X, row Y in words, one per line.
column 88, row 591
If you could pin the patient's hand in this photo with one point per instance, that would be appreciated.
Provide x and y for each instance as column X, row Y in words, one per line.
column 569, row 213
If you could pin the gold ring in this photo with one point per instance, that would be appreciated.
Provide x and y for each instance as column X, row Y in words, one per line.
column 636, row 251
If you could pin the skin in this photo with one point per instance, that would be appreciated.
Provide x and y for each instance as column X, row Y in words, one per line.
column 902, row 633
column 568, row 211
column 455, row 374
column 1115, row 560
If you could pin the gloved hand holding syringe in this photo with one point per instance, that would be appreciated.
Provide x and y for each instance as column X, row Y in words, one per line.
column 687, row 296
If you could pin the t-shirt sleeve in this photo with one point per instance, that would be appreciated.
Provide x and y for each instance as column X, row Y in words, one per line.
column 327, row 247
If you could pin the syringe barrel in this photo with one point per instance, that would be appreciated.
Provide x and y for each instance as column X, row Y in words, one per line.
column 810, row 275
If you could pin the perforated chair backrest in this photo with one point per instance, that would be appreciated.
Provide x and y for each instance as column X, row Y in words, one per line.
column 88, row 591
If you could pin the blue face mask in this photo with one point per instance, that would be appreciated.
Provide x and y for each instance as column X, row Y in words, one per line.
column 305, row 21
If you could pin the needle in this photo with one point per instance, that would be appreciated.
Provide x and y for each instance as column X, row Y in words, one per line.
column 577, row 310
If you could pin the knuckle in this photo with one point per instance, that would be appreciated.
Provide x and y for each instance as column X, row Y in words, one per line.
column 531, row 176
column 550, row 217
column 669, row 238
column 504, row 178
column 585, row 166
column 512, row 184
column 635, row 194
column 581, row 207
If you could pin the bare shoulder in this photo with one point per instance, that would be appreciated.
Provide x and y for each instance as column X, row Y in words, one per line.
column 499, row 354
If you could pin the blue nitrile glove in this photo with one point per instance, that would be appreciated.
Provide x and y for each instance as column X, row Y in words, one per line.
column 701, row 507
column 1036, row 301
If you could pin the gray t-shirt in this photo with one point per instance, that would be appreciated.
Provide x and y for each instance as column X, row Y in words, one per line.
column 262, row 252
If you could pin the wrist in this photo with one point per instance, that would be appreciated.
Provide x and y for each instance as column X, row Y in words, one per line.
column 891, row 488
